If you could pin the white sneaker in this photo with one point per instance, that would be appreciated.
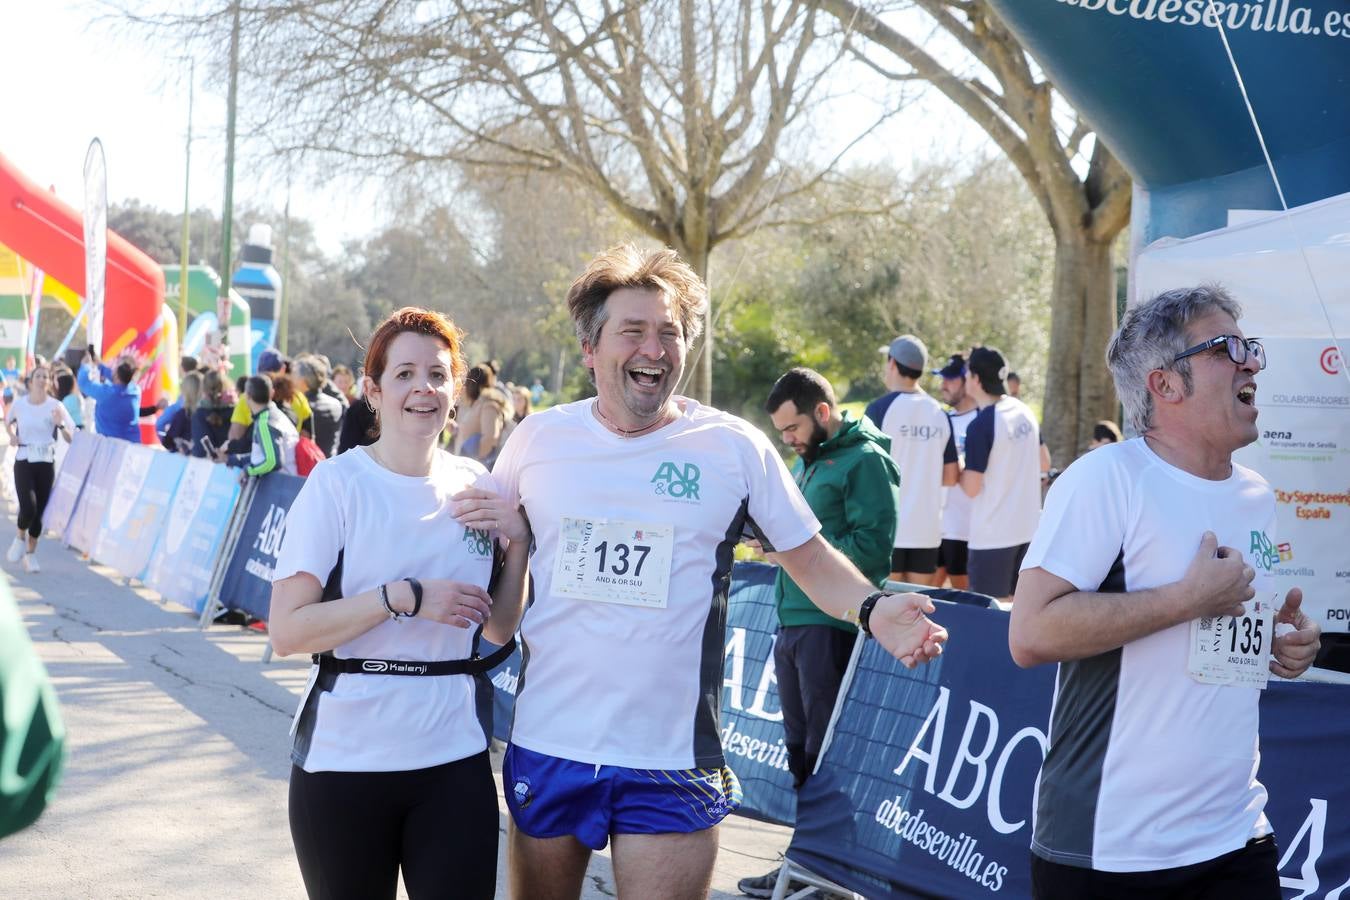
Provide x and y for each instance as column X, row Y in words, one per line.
column 30, row 563
column 16, row 549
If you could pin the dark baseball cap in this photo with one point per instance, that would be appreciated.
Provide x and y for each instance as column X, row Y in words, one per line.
column 955, row 367
column 271, row 360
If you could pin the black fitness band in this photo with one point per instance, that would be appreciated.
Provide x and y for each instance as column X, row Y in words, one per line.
column 417, row 596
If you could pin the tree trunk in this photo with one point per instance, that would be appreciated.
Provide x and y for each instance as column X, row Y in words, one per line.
column 699, row 381
column 1078, row 390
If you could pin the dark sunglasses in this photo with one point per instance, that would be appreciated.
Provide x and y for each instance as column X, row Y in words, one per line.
column 1238, row 349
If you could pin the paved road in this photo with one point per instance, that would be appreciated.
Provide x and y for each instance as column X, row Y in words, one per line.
column 175, row 782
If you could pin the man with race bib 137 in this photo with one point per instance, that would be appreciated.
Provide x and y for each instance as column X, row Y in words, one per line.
column 637, row 499
column 1149, row 580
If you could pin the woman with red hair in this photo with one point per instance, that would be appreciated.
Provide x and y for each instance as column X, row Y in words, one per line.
column 386, row 575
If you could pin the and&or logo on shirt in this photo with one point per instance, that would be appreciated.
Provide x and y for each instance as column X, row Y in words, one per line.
column 1265, row 555
column 478, row 542
column 678, row 481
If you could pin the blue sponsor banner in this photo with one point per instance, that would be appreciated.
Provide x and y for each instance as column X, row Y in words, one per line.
column 70, row 481
column 193, row 531
column 87, row 519
column 137, row 508
column 925, row 787
column 248, row 580
column 752, row 718
column 1304, row 746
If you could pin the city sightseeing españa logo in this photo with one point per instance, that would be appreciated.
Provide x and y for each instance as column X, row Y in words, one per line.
column 1331, row 361
column 1265, row 555
column 677, row 481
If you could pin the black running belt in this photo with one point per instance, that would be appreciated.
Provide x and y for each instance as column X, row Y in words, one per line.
column 471, row 666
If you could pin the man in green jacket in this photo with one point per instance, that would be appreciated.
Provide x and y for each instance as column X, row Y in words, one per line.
column 845, row 471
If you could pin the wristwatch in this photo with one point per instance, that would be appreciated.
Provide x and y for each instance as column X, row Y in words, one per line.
column 865, row 611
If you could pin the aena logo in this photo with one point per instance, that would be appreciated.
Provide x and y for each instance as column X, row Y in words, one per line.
column 673, row 480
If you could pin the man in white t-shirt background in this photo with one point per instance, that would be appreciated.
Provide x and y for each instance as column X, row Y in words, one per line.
column 637, row 499
column 954, row 550
column 1148, row 582
column 923, row 450
column 1001, row 475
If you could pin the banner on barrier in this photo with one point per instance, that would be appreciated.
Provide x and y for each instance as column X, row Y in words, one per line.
column 69, row 481
column 248, row 579
column 926, row 783
column 752, row 718
column 82, row 532
column 134, row 521
column 193, row 532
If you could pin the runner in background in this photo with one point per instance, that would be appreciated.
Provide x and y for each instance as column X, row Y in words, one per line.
column 33, row 423
column 954, row 553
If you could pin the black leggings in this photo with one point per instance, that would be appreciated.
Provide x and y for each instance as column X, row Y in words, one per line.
column 33, row 482
column 352, row 831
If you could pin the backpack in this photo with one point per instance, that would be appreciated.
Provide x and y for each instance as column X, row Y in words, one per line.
column 307, row 455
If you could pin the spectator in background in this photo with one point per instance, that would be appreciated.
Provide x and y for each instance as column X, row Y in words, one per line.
column 536, row 392
column 327, row 387
column 272, row 364
column 1103, row 433
column 187, row 365
column 1002, row 476
column 310, row 376
column 524, row 404
column 211, row 419
column 1014, row 385
column 345, row 382
column 117, row 398
column 274, row 437
column 846, row 473
column 177, row 434
column 488, row 418
column 69, row 395
column 360, row 428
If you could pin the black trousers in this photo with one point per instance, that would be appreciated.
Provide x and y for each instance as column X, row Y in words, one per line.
column 1248, row 873
column 33, row 483
column 809, row 661
column 354, row 830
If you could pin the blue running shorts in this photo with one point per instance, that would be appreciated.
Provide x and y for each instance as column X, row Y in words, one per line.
column 552, row 797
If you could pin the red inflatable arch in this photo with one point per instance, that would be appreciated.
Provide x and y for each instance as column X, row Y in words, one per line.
column 49, row 233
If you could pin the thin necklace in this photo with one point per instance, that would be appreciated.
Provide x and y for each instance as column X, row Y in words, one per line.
column 636, row 432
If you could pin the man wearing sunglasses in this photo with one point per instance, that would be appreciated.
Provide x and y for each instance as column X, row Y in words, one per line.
column 1136, row 583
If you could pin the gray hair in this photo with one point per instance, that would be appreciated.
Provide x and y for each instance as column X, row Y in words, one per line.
column 312, row 370
column 1150, row 337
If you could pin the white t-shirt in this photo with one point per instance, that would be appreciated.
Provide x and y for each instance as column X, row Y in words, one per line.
column 1148, row 768
column 921, row 443
column 389, row 527
column 1004, row 442
column 955, row 504
column 606, row 683
column 37, row 426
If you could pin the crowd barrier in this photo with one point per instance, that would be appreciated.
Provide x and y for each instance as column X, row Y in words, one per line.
column 925, row 783
column 924, row 787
